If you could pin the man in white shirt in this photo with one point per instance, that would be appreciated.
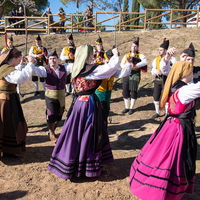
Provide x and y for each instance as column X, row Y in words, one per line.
column 156, row 69
column 41, row 54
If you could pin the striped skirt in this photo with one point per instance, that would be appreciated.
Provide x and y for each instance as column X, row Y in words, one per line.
column 74, row 153
column 157, row 172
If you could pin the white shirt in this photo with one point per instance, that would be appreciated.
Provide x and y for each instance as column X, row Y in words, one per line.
column 154, row 68
column 105, row 71
column 41, row 71
column 166, row 67
column 20, row 75
column 189, row 92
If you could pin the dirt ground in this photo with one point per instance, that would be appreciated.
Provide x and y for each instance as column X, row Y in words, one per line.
column 28, row 178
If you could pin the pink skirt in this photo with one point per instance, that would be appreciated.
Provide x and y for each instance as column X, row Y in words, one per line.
column 157, row 172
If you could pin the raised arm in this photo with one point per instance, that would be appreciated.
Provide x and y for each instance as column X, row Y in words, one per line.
column 106, row 70
column 20, row 76
column 189, row 92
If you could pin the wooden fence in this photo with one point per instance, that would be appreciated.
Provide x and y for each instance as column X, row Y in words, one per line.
column 150, row 19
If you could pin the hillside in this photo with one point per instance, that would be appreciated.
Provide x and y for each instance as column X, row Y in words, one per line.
column 28, row 178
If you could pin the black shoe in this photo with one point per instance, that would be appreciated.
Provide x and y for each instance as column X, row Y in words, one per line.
column 67, row 94
column 130, row 112
column 156, row 115
column 125, row 111
column 36, row 93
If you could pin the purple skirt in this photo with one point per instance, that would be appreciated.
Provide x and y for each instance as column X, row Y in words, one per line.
column 74, row 153
column 157, row 172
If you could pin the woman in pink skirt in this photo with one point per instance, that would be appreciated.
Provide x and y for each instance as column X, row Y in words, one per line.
column 165, row 167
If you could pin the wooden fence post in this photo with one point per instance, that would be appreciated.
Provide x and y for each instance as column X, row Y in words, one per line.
column 48, row 22
column 95, row 25
column 120, row 20
column 171, row 18
column 198, row 17
column 71, row 23
column 145, row 19
column 5, row 24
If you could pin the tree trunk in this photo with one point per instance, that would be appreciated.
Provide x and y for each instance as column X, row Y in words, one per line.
column 120, row 7
column 1, row 11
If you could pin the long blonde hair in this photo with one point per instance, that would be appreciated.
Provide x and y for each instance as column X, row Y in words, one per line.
column 178, row 71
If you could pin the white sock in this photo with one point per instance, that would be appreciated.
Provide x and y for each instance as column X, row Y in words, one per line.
column 166, row 108
column 132, row 103
column 18, row 89
column 43, row 84
column 126, row 102
column 156, row 104
column 67, row 86
column 36, row 85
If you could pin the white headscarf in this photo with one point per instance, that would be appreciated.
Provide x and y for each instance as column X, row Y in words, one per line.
column 81, row 55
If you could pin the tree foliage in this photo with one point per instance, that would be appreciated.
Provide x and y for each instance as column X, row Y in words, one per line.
column 33, row 6
column 135, row 8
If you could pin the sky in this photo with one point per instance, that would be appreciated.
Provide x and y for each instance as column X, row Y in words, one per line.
column 70, row 8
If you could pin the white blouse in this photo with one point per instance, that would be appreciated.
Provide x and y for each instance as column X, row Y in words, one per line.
column 189, row 92
column 20, row 75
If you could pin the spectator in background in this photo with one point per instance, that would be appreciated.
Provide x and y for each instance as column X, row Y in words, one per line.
column 46, row 14
column 88, row 15
column 20, row 13
column 12, row 14
column 61, row 15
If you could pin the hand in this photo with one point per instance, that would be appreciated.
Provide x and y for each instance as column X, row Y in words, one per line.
column 129, row 59
column 39, row 56
column 171, row 51
column 115, row 51
column 31, row 59
column 158, row 73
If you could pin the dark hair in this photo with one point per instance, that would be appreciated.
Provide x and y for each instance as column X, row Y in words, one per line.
column 14, row 53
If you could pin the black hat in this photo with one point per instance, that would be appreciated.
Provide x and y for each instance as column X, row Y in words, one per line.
column 190, row 51
column 38, row 38
column 165, row 44
column 70, row 37
column 54, row 54
column 99, row 40
column 10, row 38
column 136, row 41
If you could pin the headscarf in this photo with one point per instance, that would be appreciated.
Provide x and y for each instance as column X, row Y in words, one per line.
column 81, row 55
column 178, row 71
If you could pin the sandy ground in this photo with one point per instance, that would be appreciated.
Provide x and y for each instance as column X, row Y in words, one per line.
column 27, row 178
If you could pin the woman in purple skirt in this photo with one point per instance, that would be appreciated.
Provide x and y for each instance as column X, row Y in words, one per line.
column 83, row 145
column 165, row 167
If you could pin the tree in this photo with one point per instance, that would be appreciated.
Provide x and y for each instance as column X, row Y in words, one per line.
column 135, row 8
column 35, row 6
column 114, row 5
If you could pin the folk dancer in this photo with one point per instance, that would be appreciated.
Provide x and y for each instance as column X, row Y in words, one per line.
column 83, row 146
column 41, row 54
column 10, row 46
column 67, row 55
column 165, row 167
column 104, row 91
column 55, row 75
column 160, row 78
column 13, row 127
column 131, row 82
column 99, row 52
